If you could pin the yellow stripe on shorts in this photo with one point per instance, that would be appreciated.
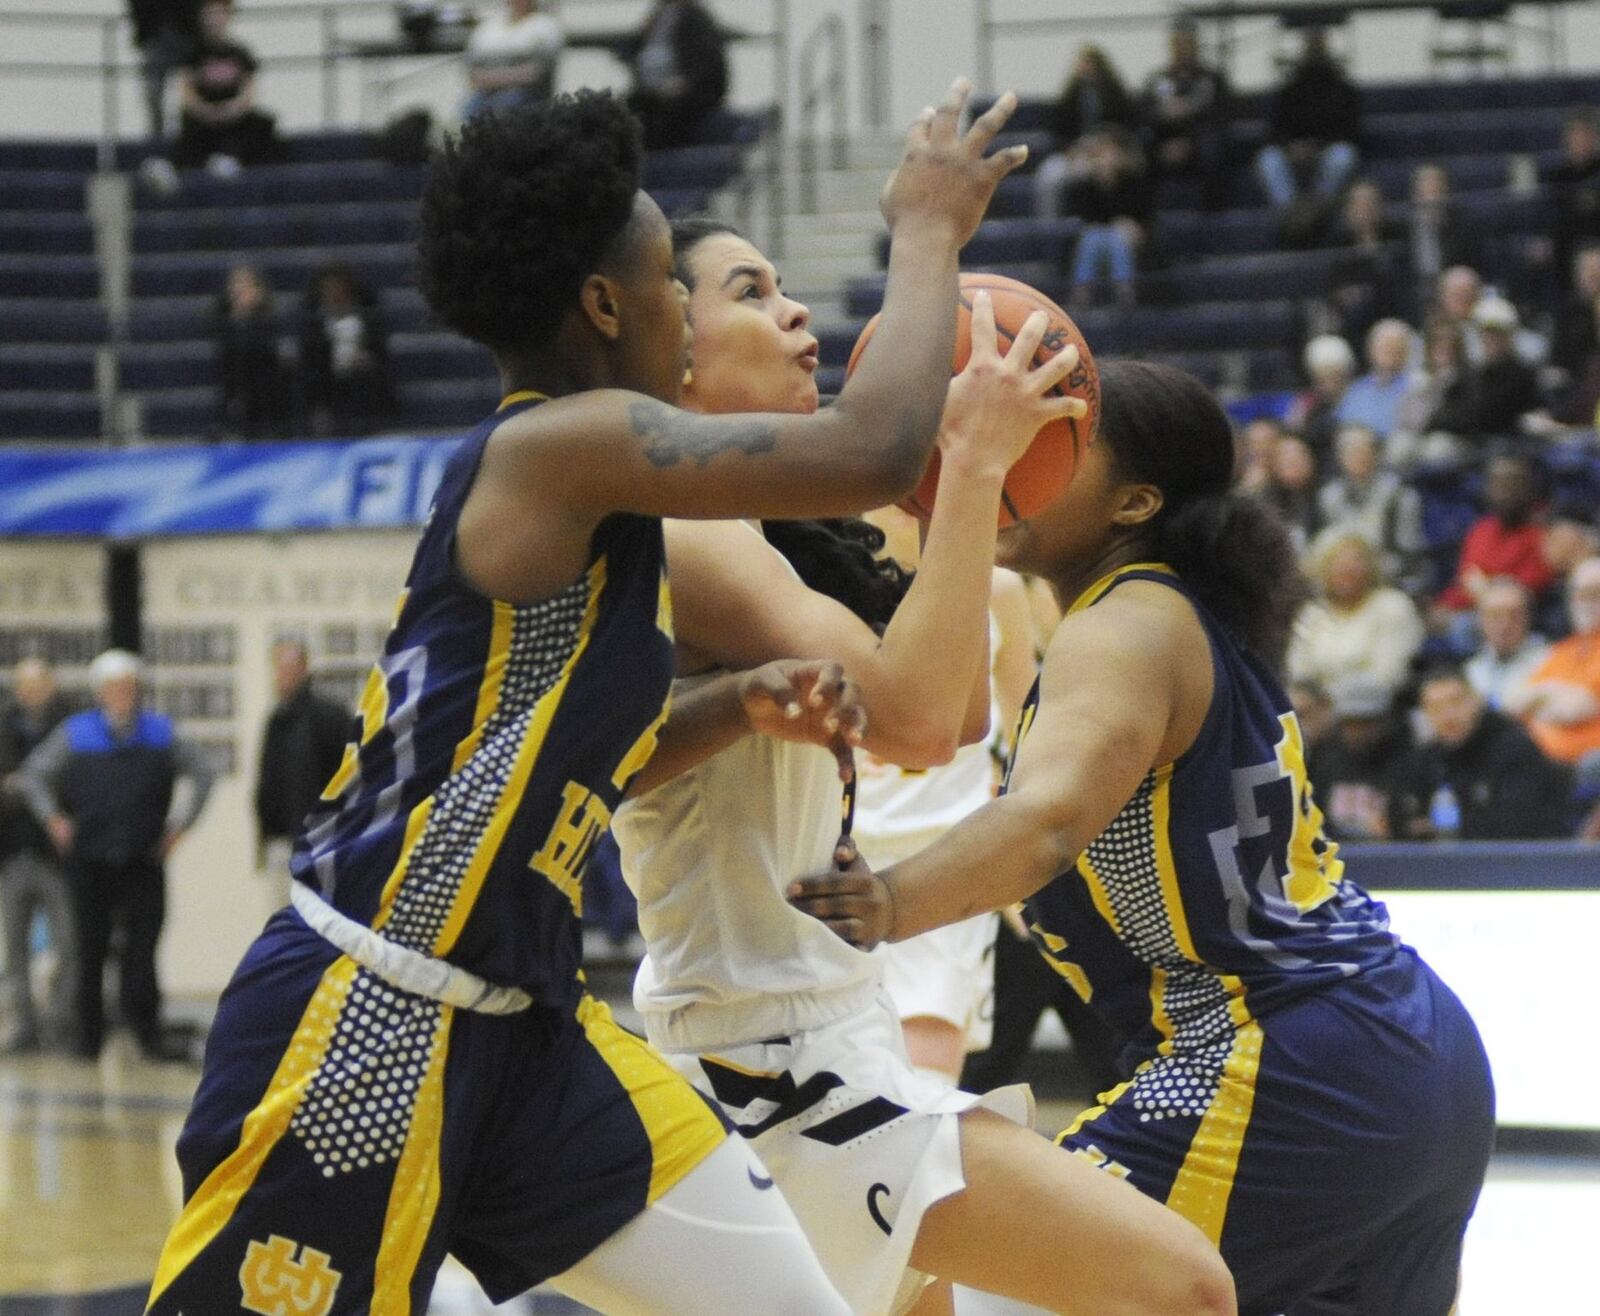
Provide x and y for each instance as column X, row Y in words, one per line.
column 207, row 1213
column 681, row 1128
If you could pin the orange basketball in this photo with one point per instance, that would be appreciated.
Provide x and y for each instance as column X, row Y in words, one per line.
column 1041, row 473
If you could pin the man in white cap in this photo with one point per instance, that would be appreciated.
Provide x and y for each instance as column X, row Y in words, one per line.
column 103, row 784
column 1330, row 365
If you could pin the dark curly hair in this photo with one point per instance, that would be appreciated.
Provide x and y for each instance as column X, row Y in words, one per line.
column 1163, row 427
column 837, row 557
column 520, row 208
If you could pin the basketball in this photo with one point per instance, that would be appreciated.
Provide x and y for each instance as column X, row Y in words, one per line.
column 1040, row 474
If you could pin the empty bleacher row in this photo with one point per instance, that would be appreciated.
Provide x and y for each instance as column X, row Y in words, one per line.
column 1216, row 296
column 62, row 359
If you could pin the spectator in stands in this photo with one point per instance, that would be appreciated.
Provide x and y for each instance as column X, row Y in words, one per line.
column 1560, row 701
column 1439, row 407
column 255, row 393
column 29, row 885
column 103, row 784
column 1366, row 500
column 1506, row 541
column 222, row 128
column 1438, row 236
column 1357, row 625
column 511, row 58
column 1461, row 291
column 1112, row 198
column 165, row 33
column 1573, row 186
column 1366, row 277
column 680, row 71
column 1511, row 651
column 1331, row 367
column 1505, row 389
column 1575, row 354
column 1577, row 333
column 1293, row 489
column 1258, row 443
column 1093, row 100
column 344, row 355
column 1359, row 766
column 301, row 749
column 1374, row 399
column 1185, row 110
column 1314, row 131
column 1480, row 778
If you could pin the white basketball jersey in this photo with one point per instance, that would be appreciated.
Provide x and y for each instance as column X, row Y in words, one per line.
column 708, row 855
column 900, row 810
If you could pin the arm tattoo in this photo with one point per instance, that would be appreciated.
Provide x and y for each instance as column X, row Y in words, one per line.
column 673, row 436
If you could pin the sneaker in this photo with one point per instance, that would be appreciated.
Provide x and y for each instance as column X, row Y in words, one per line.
column 158, row 174
column 224, row 166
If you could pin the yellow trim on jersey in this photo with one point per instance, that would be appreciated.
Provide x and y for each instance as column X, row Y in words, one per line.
column 1102, row 1103
column 1204, row 1182
column 522, row 395
column 488, row 843
column 208, row 1212
column 494, row 675
column 643, row 748
column 1160, row 1017
column 678, row 1122
column 1161, row 827
column 1097, row 591
column 415, row 825
column 1098, row 892
column 414, row 1194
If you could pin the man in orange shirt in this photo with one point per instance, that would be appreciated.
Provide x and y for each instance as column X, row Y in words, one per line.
column 1560, row 701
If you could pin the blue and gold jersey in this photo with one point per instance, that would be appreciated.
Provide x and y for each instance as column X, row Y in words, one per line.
column 1213, row 896
column 492, row 744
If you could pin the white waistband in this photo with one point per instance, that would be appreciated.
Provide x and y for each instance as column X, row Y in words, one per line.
column 402, row 967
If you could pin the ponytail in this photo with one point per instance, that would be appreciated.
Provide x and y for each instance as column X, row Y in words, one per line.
column 839, row 558
column 1233, row 551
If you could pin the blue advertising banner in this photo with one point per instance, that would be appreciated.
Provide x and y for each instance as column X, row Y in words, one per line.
column 220, row 489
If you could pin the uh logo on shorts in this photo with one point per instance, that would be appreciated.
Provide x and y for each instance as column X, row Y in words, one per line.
column 282, row 1278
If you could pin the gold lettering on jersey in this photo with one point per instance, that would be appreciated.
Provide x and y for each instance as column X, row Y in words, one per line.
column 664, row 608
column 274, row 1281
column 566, row 850
column 1053, row 945
column 1315, row 868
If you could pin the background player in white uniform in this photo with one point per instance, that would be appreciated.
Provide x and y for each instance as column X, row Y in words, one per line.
column 789, row 1030
column 942, row 983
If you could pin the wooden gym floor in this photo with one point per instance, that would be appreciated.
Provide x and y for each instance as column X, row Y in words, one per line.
column 88, row 1187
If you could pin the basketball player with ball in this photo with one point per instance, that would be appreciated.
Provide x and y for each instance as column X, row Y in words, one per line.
column 1298, row 1082
column 788, row 1028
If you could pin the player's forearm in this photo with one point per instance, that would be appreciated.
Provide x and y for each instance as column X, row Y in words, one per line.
column 995, row 857
column 933, row 660
column 893, row 402
column 704, row 721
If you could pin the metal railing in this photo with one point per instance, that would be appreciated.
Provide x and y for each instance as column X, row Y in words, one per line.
column 1271, row 18
column 875, row 20
column 821, row 87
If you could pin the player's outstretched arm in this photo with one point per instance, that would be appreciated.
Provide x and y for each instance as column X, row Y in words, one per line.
column 1107, row 706
column 609, row 451
column 926, row 677
column 811, row 702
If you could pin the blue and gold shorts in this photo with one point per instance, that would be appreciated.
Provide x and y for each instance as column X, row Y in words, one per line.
column 1333, row 1151
column 347, row 1134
